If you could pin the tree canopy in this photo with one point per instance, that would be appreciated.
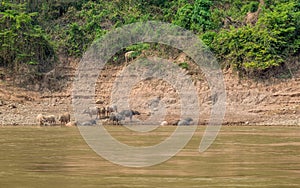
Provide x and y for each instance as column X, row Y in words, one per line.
column 250, row 36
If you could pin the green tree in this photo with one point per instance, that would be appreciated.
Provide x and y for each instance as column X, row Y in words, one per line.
column 263, row 46
column 196, row 16
column 24, row 45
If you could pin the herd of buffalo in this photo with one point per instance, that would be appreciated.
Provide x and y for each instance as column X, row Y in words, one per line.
column 109, row 113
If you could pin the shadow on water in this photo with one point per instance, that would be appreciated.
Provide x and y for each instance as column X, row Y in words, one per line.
column 240, row 157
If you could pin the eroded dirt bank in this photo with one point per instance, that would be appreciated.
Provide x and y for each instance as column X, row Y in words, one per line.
column 268, row 102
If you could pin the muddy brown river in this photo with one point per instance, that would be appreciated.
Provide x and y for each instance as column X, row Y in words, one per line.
column 241, row 156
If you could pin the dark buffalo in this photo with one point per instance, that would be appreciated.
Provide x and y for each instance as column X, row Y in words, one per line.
column 129, row 113
column 116, row 118
column 186, row 121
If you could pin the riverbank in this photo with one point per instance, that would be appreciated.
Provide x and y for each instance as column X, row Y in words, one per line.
column 248, row 102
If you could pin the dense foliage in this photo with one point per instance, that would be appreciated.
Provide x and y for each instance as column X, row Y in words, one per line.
column 267, row 41
column 24, row 44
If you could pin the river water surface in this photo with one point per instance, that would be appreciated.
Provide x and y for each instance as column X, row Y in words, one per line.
column 249, row 156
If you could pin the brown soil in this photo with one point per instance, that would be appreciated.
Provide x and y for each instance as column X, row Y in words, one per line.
column 249, row 102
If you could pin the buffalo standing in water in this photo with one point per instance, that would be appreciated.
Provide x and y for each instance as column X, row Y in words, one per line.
column 129, row 113
column 186, row 121
column 116, row 118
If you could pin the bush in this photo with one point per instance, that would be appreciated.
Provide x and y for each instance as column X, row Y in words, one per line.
column 196, row 17
column 24, row 45
column 184, row 65
column 263, row 46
